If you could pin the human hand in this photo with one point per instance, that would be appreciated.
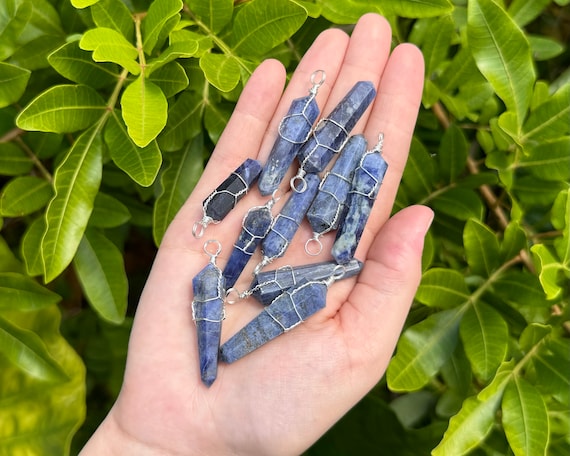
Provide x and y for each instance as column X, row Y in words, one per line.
column 282, row 397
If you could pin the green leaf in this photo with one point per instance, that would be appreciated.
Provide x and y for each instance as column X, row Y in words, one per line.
column 174, row 51
column 523, row 12
column 422, row 350
column 184, row 121
column 259, row 26
column 214, row 14
column 549, row 160
column 14, row 16
column 13, row 160
column 436, row 48
column 552, row 368
column 514, row 240
column 481, row 248
column 31, row 245
column 19, row 292
column 115, row 15
column 28, row 352
column 160, row 20
column 180, row 175
column 144, row 111
column 544, row 48
column 187, row 39
column 108, row 45
column 452, row 155
column 34, row 55
column 75, row 64
column 62, row 109
column 419, row 174
column 549, row 268
column 525, row 418
column 485, row 335
column 24, row 195
column 100, row 269
column 108, row 212
column 216, row 117
column 222, row 71
column 502, row 54
column 141, row 164
column 13, row 82
column 171, row 79
column 76, row 183
column 532, row 335
column 443, row 288
column 83, row 3
column 460, row 203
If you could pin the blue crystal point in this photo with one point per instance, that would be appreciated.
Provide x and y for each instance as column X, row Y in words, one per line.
column 256, row 224
column 287, row 222
column 327, row 209
column 365, row 186
column 224, row 198
column 208, row 313
column 293, row 131
column 331, row 133
column 267, row 285
column 285, row 312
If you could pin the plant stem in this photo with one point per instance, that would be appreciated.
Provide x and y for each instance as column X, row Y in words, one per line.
column 37, row 162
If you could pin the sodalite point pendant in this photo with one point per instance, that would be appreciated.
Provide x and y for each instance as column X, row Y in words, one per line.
column 208, row 313
column 224, row 198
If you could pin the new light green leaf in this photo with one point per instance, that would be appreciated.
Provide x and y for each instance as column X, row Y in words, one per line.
column 20, row 292
column 76, row 182
column 481, row 248
column 108, row 212
column 214, row 14
column 222, row 71
column 144, row 111
column 101, row 272
column 115, row 15
column 80, row 4
column 485, row 335
column 62, row 109
column 443, row 288
column 13, row 82
column 160, row 20
column 549, row 270
column 140, row 163
column 24, row 195
column 525, row 418
column 177, row 181
column 259, row 25
column 108, row 45
column 502, row 53
column 422, row 350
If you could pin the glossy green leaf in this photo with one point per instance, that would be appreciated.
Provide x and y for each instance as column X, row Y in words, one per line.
column 108, row 45
column 76, row 183
column 14, row 16
column 422, row 350
column 184, row 121
column 523, row 12
column 502, row 53
column 187, row 39
column 115, row 15
column 101, row 272
column 549, row 160
column 171, row 53
column 24, row 195
column 13, row 160
column 525, row 418
column 530, row 191
column 259, row 26
column 222, row 71
column 443, row 288
column 140, row 163
column 452, row 154
column 45, row 20
column 75, row 64
column 19, row 292
column 182, row 171
column 214, row 14
column 460, row 203
column 549, row 270
column 160, row 20
column 457, row 375
column 481, row 248
column 485, row 334
column 13, row 82
column 144, row 111
column 34, row 54
column 62, row 109
column 31, row 245
column 108, row 212
column 171, row 79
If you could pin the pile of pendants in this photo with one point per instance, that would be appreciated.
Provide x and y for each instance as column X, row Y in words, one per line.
column 342, row 200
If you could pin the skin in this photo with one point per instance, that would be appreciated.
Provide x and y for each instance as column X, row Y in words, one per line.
column 281, row 398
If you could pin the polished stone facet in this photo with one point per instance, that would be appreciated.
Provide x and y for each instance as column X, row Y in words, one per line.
column 293, row 132
column 287, row 222
column 255, row 227
column 208, row 313
column 327, row 209
column 266, row 286
column 331, row 133
column 365, row 186
column 224, row 198
column 285, row 312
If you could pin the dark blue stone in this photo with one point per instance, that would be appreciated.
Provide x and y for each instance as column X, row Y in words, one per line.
column 287, row 222
column 224, row 198
column 293, row 132
column 256, row 224
column 266, row 286
column 326, row 209
column 285, row 312
column 331, row 133
column 208, row 313
column 365, row 186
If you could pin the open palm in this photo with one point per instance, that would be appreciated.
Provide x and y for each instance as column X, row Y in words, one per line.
column 282, row 397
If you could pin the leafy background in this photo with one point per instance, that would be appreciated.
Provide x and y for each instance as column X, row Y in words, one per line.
column 108, row 111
